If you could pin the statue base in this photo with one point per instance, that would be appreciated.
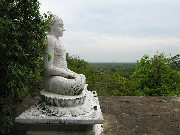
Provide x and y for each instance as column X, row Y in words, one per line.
column 57, row 129
column 82, row 119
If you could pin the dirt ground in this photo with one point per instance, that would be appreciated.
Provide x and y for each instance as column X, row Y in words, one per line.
column 128, row 115
column 140, row 116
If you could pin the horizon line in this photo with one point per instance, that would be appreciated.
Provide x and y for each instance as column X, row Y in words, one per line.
column 111, row 62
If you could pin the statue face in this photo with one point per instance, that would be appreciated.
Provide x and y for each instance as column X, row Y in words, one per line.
column 57, row 28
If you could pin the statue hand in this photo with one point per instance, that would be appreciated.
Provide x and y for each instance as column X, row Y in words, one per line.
column 71, row 76
column 83, row 78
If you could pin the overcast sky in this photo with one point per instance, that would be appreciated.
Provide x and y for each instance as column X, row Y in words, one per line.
column 118, row 30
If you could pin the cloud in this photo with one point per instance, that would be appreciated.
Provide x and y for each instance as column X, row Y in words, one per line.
column 95, row 47
column 118, row 30
column 125, row 17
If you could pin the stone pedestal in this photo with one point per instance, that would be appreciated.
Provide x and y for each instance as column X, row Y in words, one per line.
column 57, row 129
column 66, row 115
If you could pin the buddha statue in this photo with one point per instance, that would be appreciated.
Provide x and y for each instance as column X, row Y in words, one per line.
column 65, row 102
column 58, row 78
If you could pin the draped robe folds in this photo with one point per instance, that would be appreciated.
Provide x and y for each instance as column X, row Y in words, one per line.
column 57, row 78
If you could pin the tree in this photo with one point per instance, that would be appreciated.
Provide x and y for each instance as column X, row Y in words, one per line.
column 174, row 62
column 153, row 77
column 105, row 84
column 22, row 46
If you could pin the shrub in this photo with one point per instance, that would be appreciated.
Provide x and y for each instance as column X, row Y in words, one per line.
column 153, row 77
column 22, row 45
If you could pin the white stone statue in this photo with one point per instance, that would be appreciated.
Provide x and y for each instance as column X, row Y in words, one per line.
column 58, row 78
column 65, row 102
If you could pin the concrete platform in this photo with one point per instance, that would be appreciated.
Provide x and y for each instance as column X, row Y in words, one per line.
column 88, row 121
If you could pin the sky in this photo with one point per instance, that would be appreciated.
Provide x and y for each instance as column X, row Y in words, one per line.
column 117, row 30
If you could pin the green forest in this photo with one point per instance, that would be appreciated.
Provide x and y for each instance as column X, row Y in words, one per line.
column 156, row 76
column 22, row 47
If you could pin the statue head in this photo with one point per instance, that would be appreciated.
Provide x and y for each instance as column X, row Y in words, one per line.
column 56, row 26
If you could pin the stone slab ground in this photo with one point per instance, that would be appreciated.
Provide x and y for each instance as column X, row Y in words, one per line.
column 127, row 115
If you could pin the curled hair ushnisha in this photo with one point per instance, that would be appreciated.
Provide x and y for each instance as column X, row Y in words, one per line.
column 53, row 19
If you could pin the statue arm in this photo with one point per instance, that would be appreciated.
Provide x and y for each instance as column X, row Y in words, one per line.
column 55, row 71
column 75, row 75
column 72, row 72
